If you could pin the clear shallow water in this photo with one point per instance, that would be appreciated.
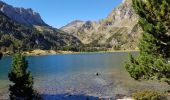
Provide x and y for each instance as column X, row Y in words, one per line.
column 75, row 74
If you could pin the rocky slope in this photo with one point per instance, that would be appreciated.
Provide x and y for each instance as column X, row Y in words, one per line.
column 119, row 30
column 21, row 15
column 24, row 28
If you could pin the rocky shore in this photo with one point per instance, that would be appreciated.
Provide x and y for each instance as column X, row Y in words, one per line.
column 84, row 87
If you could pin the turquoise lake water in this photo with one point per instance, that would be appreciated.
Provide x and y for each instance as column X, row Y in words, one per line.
column 75, row 73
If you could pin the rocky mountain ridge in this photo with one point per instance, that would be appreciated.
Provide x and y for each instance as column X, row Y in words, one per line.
column 21, row 15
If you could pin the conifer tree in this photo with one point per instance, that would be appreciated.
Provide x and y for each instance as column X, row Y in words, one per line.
column 22, row 87
column 154, row 46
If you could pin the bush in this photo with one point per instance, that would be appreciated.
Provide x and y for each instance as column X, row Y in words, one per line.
column 149, row 95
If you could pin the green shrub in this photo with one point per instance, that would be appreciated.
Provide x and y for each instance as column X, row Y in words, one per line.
column 149, row 95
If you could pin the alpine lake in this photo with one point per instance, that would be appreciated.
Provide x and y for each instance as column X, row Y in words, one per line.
column 75, row 76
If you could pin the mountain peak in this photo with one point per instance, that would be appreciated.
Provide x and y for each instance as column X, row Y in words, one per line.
column 76, row 22
column 130, row 1
column 21, row 15
column 72, row 25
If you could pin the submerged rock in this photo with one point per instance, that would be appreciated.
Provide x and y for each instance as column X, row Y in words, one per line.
column 97, row 74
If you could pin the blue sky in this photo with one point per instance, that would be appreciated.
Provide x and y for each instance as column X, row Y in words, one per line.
column 58, row 13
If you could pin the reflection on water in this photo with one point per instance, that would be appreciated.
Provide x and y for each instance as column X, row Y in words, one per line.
column 75, row 74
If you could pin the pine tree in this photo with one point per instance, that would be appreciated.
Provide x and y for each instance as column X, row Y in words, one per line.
column 22, row 87
column 154, row 46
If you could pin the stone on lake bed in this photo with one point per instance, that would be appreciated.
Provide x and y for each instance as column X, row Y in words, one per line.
column 100, row 81
column 97, row 74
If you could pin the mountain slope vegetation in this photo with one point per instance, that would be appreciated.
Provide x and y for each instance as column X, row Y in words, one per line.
column 14, row 35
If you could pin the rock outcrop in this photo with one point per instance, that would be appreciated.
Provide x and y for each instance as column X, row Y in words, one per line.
column 21, row 15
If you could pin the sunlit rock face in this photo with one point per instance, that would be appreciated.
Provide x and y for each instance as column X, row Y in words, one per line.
column 21, row 15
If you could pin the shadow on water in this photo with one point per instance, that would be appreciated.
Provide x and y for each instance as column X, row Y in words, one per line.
column 70, row 97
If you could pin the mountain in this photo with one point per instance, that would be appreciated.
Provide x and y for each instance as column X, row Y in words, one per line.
column 119, row 30
column 24, row 16
column 73, row 26
column 29, row 34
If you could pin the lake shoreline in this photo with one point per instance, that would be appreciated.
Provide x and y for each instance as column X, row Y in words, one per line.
column 38, row 52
